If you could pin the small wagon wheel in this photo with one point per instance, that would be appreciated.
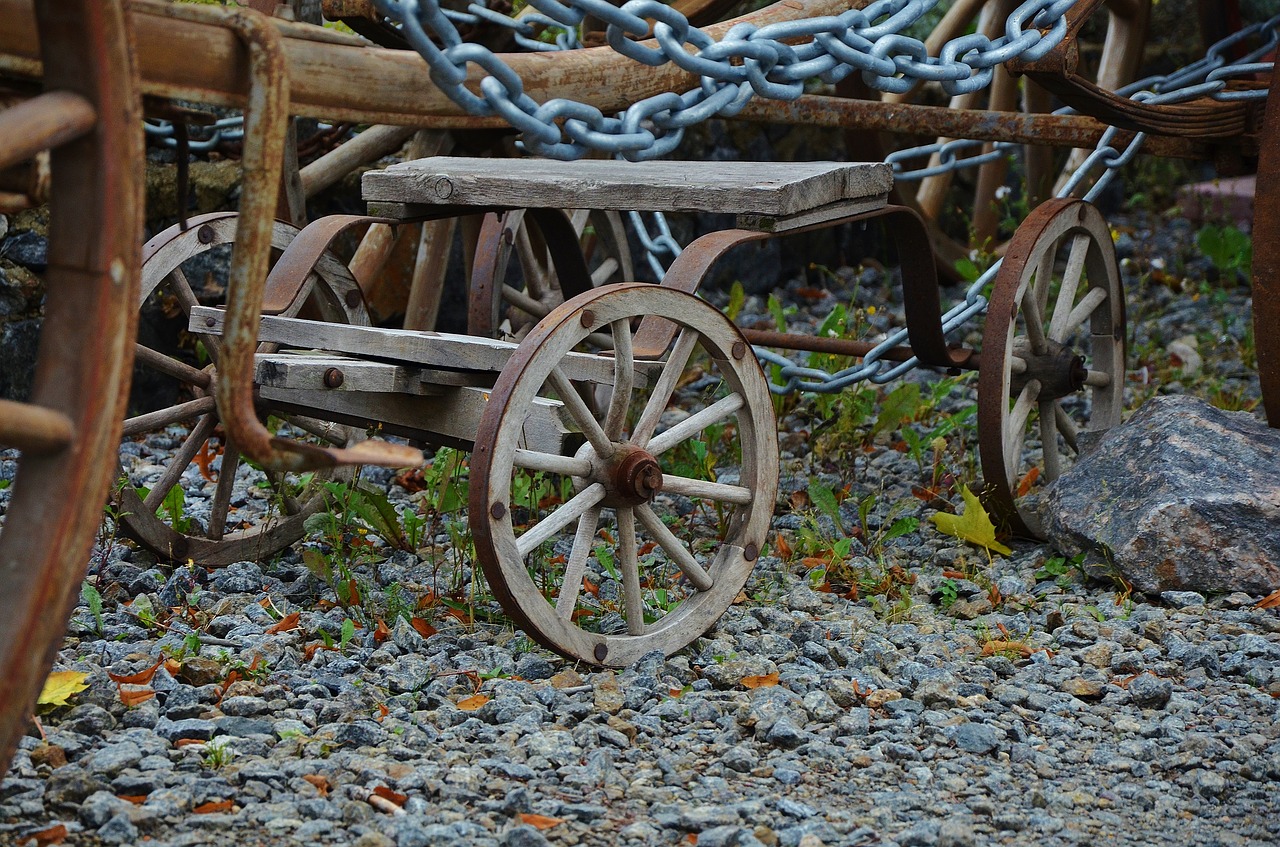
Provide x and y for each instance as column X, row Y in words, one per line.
column 938, row 198
column 1052, row 355
column 502, row 305
column 89, row 118
column 193, row 419
column 608, row 596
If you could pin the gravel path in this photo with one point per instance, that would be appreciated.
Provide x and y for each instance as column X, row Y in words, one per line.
column 922, row 692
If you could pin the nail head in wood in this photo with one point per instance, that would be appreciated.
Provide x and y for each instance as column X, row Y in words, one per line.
column 588, row 319
column 210, row 322
column 739, row 350
column 751, row 552
column 353, row 298
column 497, row 511
column 333, row 378
column 600, row 652
column 205, row 234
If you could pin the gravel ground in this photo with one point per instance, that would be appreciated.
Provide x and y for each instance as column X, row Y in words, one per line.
column 921, row 692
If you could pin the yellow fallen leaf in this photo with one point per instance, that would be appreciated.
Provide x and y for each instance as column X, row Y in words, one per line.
column 973, row 526
column 59, row 686
column 767, row 680
column 470, row 704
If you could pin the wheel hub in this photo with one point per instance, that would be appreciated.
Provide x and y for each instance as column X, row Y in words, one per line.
column 636, row 477
column 1060, row 370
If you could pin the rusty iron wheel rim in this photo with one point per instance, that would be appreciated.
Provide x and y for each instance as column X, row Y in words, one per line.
column 1098, row 298
column 494, row 459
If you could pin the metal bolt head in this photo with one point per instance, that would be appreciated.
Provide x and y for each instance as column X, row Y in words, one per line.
column 751, row 552
column 600, row 652
column 498, row 511
column 210, row 322
column 353, row 298
column 739, row 350
column 333, row 378
column 443, row 187
column 588, row 319
column 205, row 234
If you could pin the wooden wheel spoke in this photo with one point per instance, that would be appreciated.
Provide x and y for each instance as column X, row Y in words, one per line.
column 558, row 519
column 170, row 366
column 1035, row 324
column 1042, row 282
column 632, row 599
column 1070, row 432
column 716, row 491
column 328, row 431
column 518, row 298
column 222, row 493
column 180, row 460
column 168, row 417
column 551, row 463
column 1070, row 287
column 1082, row 312
column 1098, row 379
column 1049, row 440
column 624, row 376
column 664, row 387
column 607, row 268
column 674, row 548
column 1018, row 425
column 581, row 415
column 695, row 423
column 576, row 567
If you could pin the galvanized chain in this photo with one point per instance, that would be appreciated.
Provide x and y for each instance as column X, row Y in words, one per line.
column 773, row 61
column 1206, row 77
column 224, row 129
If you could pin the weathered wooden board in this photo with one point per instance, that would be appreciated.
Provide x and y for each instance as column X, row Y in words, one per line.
column 434, row 349
column 304, row 369
column 453, row 414
column 751, row 189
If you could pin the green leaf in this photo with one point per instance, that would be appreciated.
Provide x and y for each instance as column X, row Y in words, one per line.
column 775, row 309
column 737, row 297
column 901, row 527
column 973, row 526
column 825, row 499
column 93, row 599
column 900, row 405
column 348, row 632
column 376, row 510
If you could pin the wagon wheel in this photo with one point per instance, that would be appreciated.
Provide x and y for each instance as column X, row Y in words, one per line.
column 193, row 420
column 1052, row 355
column 939, row 198
column 592, row 569
column 504, row 304
column 88, row 117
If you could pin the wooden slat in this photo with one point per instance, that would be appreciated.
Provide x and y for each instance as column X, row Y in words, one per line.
column 42, row 123
column 34, row 429
column 453, row 414
column 308, row 371
column 772, row 189
column 434, row 349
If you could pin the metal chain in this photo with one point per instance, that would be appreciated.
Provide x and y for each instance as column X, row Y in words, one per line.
column 225, row 129
column 773, row 61
column 1206, row 77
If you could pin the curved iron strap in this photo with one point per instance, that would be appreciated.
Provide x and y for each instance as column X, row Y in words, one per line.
column 919, row 285
column 289, row 275
column 557, row 231
column 1266, row 259
column 266, row 124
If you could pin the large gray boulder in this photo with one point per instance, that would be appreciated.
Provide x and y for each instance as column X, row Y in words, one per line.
column 1181, row 497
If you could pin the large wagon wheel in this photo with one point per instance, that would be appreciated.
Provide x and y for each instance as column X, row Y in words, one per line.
column 192, row 420
column 937, row 197
column 89, row 116
column 1052, row 355
column 537, row 517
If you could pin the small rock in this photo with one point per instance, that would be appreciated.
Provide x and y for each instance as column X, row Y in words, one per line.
column 119, row 830
column 524, row 836
column 1182, row 599
column 976, row 738
column 1085, row 689
column 876, row 699
column 197, row 671
column 1150, row 692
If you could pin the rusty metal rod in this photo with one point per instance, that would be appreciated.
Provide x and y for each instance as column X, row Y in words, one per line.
column 837, row 346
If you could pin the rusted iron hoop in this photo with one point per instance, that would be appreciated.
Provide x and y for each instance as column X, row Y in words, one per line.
column 94, row 240
column 1266, row 259
column 500, row 234
column 621, row 474
column 1053, row 370
column 319, row 279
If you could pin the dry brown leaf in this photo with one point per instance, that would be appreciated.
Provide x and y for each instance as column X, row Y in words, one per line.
column 213, row 807
column 135, row 799
column 142, row 677
column 381, row 632
column 475, row 701
column 423, row 628
column 387, row 794
column 1024, row 484
column 319, row 781
column 539, row 821
column 172, row 666
column 996, row 647
column 285, row 624
column 310, row 650
column 782, row 547
column 134, row 696
column 53, row 835
column 187, row 742
column 767, row 680
column 1271, row 601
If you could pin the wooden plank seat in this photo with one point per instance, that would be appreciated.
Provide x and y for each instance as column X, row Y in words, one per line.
column 765, row 196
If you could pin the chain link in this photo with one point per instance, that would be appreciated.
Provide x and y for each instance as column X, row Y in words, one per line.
column 771, row 61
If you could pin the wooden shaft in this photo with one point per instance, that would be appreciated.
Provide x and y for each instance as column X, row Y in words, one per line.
column 41, row 123
column 34, row 429
column 370, row 145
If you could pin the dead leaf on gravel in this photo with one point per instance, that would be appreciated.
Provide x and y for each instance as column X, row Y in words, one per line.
column 285, row 624
column 767, row 680
column 319, row 781
column 539, row 821
column 1271, row 601
column 213, row 807
column 142, row 677
column 53, row 835
column 475, row 701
